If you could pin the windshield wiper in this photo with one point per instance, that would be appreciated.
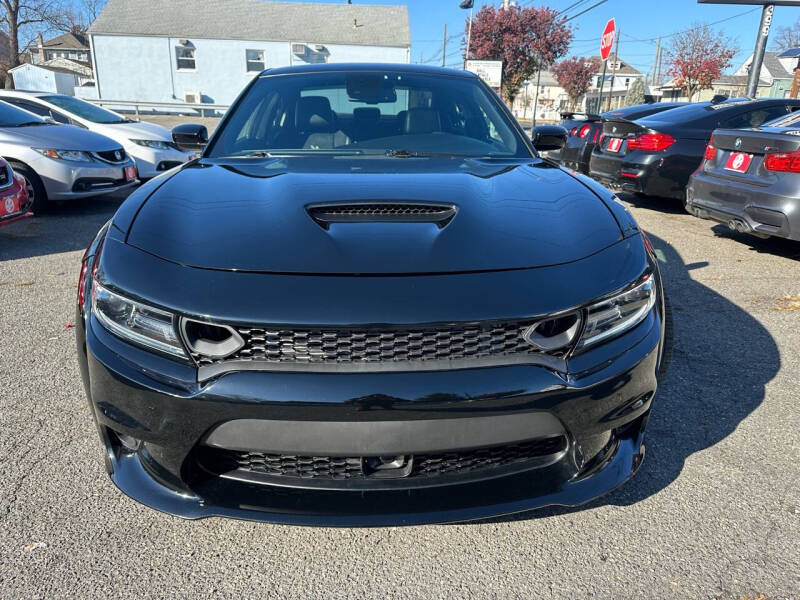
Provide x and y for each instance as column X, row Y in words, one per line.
column 404, row 153
column 32, row 123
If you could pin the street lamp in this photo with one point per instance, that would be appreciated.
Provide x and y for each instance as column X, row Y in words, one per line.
column 470, row 4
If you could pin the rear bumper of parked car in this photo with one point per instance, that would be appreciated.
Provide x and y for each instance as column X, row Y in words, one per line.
column 159, row 429
column 745, row 207
column 651, row 173
column 66, row 180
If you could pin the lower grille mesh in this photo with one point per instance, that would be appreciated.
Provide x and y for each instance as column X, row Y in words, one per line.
column 341, row 468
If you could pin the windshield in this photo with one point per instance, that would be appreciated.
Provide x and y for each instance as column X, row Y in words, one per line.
column 11, row 116
column 84, row 109
column 369, row 113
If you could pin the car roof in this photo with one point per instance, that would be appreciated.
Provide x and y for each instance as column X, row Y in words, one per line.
column 366, row 67
column 700, row 110
column 26, row 93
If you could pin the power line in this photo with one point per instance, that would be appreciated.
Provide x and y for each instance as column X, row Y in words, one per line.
column 747, row 12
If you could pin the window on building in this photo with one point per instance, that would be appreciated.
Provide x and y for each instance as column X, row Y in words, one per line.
column 255, row 61
column 185, row 59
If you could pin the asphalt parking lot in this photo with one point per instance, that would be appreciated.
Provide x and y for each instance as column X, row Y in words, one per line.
column 713, row 513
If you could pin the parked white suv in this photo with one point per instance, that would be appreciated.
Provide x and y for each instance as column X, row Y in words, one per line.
column 150, row 145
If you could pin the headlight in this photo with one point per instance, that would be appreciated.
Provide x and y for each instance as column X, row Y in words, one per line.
column 135, row 322
column 155, row 144
column 73, row 155
column 613, row 316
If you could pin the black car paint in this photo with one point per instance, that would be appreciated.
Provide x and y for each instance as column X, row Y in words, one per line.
column 577, row 151
column 666, row 173
column 603, row 395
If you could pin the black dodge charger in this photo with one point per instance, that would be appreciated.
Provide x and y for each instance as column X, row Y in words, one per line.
column 370, row 302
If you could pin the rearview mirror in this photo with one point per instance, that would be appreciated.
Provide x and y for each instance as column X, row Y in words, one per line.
column 190, row 136
column 549, row 137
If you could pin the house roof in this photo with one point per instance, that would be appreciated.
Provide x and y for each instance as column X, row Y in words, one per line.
column 774, row 66
column 738, row 80
column 257, row 20
column 624, row 69
column 53, row 68
column 67, row 41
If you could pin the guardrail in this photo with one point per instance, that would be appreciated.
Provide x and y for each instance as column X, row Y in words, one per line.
column 178, row 107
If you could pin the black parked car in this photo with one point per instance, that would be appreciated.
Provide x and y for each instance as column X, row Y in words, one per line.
column 750, row 179
column 656, row 155
column 324, row 322
column 584, row 130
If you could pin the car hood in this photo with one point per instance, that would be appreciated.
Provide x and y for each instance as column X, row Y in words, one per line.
column 252, row 215
column 61, row 137
column 136, row 131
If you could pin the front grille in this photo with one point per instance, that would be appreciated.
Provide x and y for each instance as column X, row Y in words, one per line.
column 221, row 461
column 347, row 346
column 111, row 155
column 85, row 184
column 361, row 212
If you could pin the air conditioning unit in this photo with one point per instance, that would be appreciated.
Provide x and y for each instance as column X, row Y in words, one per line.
column 192, row 97
column 299, row 49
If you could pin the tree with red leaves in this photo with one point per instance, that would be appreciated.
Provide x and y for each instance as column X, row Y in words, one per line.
column 523, row 38
column 697, row 56
column 575, row 76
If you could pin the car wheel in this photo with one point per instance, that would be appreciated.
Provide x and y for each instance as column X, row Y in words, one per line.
column 666, row 351
column 34, row 186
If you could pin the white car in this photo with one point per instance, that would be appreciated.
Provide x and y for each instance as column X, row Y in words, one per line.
column 150, row 145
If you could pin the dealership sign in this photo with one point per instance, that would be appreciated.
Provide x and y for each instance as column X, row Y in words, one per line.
column 608, row 39
column 491, row 71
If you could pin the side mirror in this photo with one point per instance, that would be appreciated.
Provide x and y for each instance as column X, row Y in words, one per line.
column 549, row 137
column 190, row 136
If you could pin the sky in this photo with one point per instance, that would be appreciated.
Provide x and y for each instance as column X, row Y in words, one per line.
column 638, row 21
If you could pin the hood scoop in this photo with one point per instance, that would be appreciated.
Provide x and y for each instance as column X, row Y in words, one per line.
column 381, row 212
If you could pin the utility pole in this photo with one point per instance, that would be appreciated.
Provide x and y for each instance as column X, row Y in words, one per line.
column 444, row 44
column 614, row 69
column 536, row 92
column 758, row 54
column 602, row 83
column 655, row 60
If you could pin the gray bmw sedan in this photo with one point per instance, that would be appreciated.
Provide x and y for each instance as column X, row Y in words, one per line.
column 750, row 179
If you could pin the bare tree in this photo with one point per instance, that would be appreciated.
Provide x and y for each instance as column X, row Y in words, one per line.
column 787, row 37
column 18, row 15
column 78, row 18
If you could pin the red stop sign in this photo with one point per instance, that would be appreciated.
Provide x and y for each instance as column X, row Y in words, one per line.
column 608, row 39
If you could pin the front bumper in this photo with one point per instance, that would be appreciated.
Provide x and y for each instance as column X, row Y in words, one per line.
column 150, row 162
column 744, row 207
column 602, row 412
column 66, row 180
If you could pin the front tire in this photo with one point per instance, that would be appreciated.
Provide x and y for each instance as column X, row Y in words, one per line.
column 34, row 186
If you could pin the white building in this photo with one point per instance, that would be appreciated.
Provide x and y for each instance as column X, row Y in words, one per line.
column 615, row 86
column 59, row 75
column 195, row 50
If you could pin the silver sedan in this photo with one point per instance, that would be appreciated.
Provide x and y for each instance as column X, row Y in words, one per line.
column 61, row 162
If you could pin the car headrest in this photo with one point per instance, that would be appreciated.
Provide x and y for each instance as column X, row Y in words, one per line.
column 366, row 113
column 422, row 120
column 314, row 114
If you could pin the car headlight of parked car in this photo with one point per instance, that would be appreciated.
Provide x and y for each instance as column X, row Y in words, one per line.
column 71, row 155
column 155, row 144
column 619, row 313
column 135, row 322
